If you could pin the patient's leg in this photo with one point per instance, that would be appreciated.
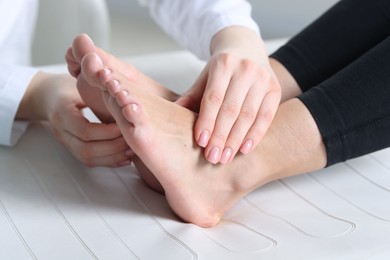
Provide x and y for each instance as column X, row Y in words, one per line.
column 82, row 45
column 160, row 133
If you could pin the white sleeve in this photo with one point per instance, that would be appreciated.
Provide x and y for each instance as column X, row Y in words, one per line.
column 18, row 20
column 193, row 23
column 13, row 83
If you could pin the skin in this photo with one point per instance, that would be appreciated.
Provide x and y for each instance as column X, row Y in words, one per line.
column 236, row 95
column 158, row 130
column 54, row 98
column 81, row 46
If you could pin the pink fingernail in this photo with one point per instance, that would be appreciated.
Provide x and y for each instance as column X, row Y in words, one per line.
column 213, row 156
column 226, row 155
column 204, row 138
column 247, row 146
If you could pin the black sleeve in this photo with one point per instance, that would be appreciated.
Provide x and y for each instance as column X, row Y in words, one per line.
column 352, row 108
column 341, row 35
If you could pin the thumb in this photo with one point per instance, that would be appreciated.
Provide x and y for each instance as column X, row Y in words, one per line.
column 192, row 98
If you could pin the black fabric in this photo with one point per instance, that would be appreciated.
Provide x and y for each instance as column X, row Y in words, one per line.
column 342, row 63
column 345, row 32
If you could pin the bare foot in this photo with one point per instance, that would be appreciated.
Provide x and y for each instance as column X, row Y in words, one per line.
column 160, row 133
column 92, row 97
column 82, row 45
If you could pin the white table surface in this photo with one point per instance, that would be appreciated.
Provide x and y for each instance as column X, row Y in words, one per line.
column 53, row 207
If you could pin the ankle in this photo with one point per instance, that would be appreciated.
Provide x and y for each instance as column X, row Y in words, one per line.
column 293, row 144
column 290, row 87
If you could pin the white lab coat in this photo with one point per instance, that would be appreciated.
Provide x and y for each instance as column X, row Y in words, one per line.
column 193, row 23
column 17, row 27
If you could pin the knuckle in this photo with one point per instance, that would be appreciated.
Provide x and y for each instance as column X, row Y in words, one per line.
column 248, row 113
column 230, row 109
column 266, row 117
column 225, row 59
column 249, row 66
column 214, row 98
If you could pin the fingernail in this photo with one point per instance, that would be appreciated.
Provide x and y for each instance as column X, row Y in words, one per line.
column 203, row 138
column 247, row 146
column 227, row 152
column 213, row 156
column 129, row 152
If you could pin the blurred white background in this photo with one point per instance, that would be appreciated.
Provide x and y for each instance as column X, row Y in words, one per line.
column 125, row 28
column 133, row 32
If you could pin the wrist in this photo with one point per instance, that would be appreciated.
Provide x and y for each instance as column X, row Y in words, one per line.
column 238, row 39
column 31, row 104
column 40, row 96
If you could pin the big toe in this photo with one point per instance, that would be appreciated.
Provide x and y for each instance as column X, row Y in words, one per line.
column 82, row 45
column 91, row 66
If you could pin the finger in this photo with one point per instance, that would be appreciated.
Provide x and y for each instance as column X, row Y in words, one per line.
column 76, row 124
column 263, row 121
column 98, row 153
column 228, row 114
column 244, row 122
column 213, row 97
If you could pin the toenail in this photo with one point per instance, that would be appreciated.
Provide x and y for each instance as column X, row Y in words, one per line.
column 247, row 146
column 115, row 82
column 213, row 156
column 134, row 107
column 113, row 87
column 107, row 71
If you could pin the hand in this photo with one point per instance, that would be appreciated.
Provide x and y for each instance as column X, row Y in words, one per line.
column 55, row 98
column 237, row 94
